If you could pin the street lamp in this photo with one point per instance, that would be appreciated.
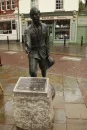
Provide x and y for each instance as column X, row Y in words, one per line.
column 0, row 61
column 16, row 12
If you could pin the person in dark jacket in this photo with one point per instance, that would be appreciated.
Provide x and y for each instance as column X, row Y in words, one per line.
column 37, row 44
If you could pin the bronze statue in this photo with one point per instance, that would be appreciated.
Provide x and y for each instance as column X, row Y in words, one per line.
column 37, row 44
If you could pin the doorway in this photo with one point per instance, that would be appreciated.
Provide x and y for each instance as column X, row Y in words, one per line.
column 82, row 31
column 50, row 33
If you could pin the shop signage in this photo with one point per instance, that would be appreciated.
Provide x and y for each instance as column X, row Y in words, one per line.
column 82, row 21
column 52, row 18
column 55, row 17
column 10, row 17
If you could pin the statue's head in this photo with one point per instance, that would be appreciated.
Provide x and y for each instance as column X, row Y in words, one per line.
column 35, row 14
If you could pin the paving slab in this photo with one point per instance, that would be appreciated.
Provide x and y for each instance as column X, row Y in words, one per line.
column 8, row 89
column 76, row 124
column 57, row 100
column 59, row 96
column 59, row 126
column 59, row 116
column 70, row 82
column 57, row 104
column 73, row 95
column 6, row 127
column 76, row 111
column 6, row 113
column 57, row 79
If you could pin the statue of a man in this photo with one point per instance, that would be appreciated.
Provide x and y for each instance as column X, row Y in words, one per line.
column 37, row 44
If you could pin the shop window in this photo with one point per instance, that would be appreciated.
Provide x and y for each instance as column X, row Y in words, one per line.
column 62, row 29
column 12, row 4
column 2, row 5
column 48, row 22
column 7, row 4
column 5, row 27
column 13, row 25
column 59, row 4
column 34, row 3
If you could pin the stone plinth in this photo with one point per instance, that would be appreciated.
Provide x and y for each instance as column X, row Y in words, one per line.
column 32, row 104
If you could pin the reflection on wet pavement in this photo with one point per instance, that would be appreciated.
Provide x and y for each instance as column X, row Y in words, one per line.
column 71, row 96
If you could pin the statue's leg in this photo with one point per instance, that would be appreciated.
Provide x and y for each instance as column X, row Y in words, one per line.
column 43, row 73
column 42, row 65
column 33, row 67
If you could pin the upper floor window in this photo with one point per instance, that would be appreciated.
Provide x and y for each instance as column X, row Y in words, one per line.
column 7, row 4
column 34, row 3
column 2, row 5
column 59, row 4
column 12, row 4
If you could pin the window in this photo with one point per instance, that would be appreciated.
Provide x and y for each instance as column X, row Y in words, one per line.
column 12, row 4
column 6, row 27
column 59, row 4
column 7, row 4
column 62, row 29
column 34, row 3
column 2, row 5
column 13, row 25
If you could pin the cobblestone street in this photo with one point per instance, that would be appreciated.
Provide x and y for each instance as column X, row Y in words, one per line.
column 69, row 78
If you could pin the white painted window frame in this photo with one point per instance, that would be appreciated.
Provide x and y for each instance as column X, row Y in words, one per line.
column 7, row 5
column 12, row 5
column 2, row 5
column 60, row 8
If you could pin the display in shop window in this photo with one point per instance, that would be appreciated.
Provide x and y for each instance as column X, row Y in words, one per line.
column 62, row 29
column 6, row 27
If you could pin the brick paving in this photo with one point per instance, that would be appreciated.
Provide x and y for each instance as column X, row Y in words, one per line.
column 65, row 67
column 69, row 79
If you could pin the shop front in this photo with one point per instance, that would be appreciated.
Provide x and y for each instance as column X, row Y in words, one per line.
column 59, row 28
column 82, row 29
column 62, row 30
column 9, row 27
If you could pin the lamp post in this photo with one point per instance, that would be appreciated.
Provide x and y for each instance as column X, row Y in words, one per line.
column 0, row 61
column 17, row 22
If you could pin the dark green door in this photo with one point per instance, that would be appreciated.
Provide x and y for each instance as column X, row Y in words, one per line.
column 82, row 31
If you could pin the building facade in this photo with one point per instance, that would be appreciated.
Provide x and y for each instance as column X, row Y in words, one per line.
column 82, row 27
column 9, row 20
column 59, row 15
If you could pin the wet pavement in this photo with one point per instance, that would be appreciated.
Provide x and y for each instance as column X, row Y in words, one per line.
column 69, row 103
column 69, row 78
column 68, row 49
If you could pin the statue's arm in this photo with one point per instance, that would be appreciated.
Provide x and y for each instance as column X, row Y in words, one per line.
column 27, row 41
column 47, row 41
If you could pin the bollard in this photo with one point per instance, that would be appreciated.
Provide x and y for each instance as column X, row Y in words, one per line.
column 64, row 41
column 0, row 61
column 82, row 41
column 8, row 41
column 22, row 39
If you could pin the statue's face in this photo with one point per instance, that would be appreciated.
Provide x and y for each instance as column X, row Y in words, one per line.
column 36, row 16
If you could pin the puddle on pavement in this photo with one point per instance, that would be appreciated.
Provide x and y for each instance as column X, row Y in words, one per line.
column 73, row 95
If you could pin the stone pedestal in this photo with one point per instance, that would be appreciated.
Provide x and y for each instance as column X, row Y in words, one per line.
column 32, row 103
